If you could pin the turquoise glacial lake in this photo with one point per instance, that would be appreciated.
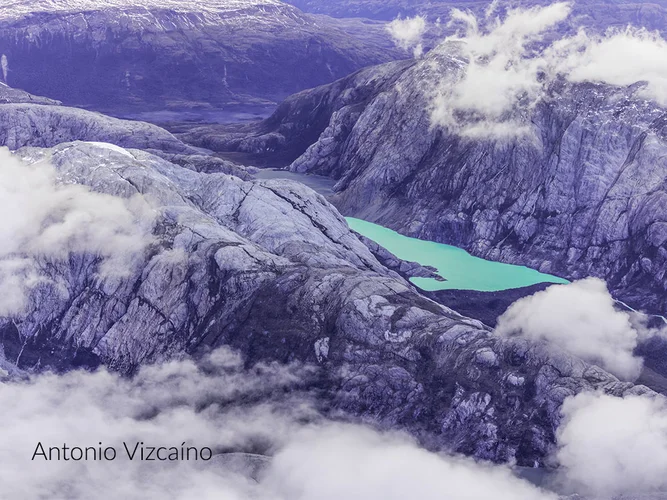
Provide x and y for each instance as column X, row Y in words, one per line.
column 461, row 270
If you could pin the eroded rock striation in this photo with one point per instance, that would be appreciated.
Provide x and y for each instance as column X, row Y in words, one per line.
column 28, row 120
column 272, row 269
column 300, row 120
column 584, row 195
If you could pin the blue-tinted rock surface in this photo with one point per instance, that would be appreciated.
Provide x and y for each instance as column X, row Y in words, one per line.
column 272, row 269
column 590, row 13
column 148, row 54
column 568, row 203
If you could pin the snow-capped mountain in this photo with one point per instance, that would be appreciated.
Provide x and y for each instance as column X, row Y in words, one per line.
column 600, row 14
column 18, row 8
column 147, row 54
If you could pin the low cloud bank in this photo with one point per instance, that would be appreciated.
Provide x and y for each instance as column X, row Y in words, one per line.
column 609, row 446
column 48, row 220
column 214, row 404
column 500, row 74
column 358, row 464
column 617, row 58
column 217, row 403
column 581, row 318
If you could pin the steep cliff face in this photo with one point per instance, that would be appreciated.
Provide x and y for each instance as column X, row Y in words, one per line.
column 583, row 195
column 111, row 55
column 300, row 120
column 271, row 269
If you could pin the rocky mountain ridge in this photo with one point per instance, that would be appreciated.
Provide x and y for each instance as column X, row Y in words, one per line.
column 271, row 269
column 589, row 13
column 147, row 55
column 19, row 8
column 566, row 200
column 231, row 257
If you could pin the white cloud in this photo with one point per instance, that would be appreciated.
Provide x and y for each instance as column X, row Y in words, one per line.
column 582, row 319
column 164, row 405
column 408, row 33
column 648, row 326
column 217, row 403
column 358, row 464
column 4, row 65
column 610, row 446
column 499, row 83
column 51, row 220
column 507, row 65
column 621, row 58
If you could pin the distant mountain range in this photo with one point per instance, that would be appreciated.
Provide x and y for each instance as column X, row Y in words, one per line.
column 154, row 55
column 147, row 55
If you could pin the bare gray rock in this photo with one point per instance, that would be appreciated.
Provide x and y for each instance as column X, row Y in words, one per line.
column 119, row 56
column 42, row 125
column 300, row 120
column 12, row 95
column 271, row 269
column 566, row 202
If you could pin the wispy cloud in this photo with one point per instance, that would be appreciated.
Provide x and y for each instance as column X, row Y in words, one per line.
column 53, row 219
column 220, row 404
column 408, row 33
column 508, row 63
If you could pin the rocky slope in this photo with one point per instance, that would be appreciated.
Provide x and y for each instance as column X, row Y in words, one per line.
column 49, row 125
column 146, row 54
column 568, row 203
column 271, row 269
column 29, row 120
column 300, row 120
column 17, row 96
column 589, row 13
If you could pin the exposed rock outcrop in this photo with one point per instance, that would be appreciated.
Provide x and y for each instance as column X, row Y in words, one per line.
column 566, row 200
column 300, row 120
column 12, row 95
column 47, row 125
column 271, row 269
